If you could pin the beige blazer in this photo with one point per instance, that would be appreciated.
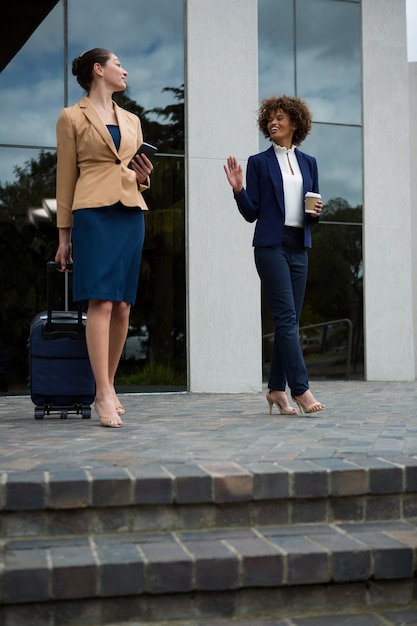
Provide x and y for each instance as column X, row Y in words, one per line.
column 90, row 171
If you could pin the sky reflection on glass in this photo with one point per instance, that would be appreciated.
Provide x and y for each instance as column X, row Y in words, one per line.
column 276, row 47
column 338, row 150
column 147, row 37
column 328, row 59
column 327, row 73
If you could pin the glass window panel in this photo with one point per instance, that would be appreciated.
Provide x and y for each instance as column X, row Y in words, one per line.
column 329, row 59
column 276, row 47
column 29, row 176
column 158, row 324
column 27, row 239
column 13, row 157
column 338, row 150
column 326, row 73
column 32, row 87
column 147, row 37
column 152, row 50
column 334, row 292
column 332, row 346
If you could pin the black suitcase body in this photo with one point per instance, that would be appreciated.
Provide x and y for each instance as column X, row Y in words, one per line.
column 60, row 375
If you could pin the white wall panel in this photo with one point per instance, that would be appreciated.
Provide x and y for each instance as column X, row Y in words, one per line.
column 413, row 188
column 388, row 292
column 224, row 318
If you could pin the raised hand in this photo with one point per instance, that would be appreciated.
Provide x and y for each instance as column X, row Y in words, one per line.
column 234, row 174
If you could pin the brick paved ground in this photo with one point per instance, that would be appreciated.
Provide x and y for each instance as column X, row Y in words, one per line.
column 361, row 419
column 201, row 438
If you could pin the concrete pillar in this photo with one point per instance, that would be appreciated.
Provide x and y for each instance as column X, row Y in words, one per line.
column 224, row 317
column 387, row 246
column 412, row 69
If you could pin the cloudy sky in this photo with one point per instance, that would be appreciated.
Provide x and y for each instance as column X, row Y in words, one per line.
column 412, row 29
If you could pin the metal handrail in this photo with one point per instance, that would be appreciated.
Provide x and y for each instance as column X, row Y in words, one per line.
column 343, row 320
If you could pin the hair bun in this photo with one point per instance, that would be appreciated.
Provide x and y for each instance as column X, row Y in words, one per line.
column 82, row 66
column 76, row 66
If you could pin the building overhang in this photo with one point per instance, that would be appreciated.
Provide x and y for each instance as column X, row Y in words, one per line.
column 18, row 20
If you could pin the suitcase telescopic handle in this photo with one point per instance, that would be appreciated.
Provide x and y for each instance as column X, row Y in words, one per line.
column 53, row 266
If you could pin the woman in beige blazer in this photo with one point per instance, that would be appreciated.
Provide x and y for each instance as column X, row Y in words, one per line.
column 100, row 214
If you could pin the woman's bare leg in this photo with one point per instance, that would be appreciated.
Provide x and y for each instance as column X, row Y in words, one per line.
column 98, row 344
column 119, row 324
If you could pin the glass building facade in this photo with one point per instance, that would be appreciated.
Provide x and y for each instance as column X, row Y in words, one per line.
column 35, row 85
column 310, row 48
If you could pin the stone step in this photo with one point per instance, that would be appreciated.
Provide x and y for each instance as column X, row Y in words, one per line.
column 251, row 609
column 401, row 617
column 154, row 564
column 407, row 617
column 210, row 541
column 209, row 495
column 99, row 614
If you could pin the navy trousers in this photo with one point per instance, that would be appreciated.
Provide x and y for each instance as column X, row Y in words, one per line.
column 283, row 273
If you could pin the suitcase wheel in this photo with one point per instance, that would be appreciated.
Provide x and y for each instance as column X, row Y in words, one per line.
column 39, row 414
column 63, row 414
column 86, row 413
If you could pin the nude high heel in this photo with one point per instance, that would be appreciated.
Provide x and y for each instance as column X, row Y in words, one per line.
column 286, row 410
column 110, row 422
column 311, row 408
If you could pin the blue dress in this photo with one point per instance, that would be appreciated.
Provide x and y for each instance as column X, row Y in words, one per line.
column 107, row 250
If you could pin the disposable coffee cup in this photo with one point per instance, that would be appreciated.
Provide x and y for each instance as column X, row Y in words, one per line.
column 310, row 201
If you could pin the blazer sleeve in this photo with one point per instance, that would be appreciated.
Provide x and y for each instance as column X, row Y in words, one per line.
column 67, row 170
column 314, row 187
column 248, row 199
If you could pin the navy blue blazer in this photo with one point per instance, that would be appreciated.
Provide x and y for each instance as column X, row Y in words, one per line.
column 263, row 199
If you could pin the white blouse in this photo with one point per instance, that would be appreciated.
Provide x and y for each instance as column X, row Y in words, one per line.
column 293, row 186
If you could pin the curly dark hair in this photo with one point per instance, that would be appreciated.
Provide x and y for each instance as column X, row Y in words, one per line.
column 82, row 66
column 296, row 109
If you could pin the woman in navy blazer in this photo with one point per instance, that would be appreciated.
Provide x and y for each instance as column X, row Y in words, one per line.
column 100, row 211
column 276, row 183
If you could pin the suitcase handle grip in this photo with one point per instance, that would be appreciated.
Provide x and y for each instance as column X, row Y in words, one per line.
column 53, row 266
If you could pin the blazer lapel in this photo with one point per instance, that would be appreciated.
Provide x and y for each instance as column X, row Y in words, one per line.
column 123, row 127
column 305, row 171
column 94, row 119
column 276, row 177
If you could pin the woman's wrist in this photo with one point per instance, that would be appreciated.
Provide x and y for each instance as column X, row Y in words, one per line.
column 64, row 236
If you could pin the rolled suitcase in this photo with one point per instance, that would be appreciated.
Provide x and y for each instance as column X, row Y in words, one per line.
column 60, row 375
